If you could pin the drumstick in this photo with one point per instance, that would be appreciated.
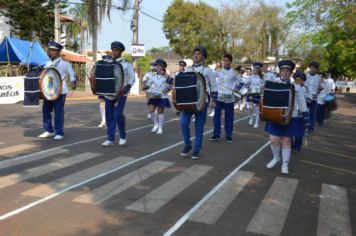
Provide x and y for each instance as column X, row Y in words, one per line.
column 305, row 139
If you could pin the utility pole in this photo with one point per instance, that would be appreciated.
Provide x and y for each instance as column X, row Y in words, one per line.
column 134, row 27
column 57, row 26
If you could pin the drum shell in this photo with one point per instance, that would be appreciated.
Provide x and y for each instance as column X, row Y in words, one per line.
column 200, row 89
column 279, row 115
column 107, row 79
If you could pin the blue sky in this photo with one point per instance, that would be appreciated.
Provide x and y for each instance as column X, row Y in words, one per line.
column 150, row 31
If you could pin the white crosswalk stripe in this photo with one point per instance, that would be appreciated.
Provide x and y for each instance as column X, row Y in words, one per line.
column 17, row 161
column 159, row 197
column 270, row 216
column 11, row 179
column 123, row 183
column 56, row 185
column 16, row 148
column 334, row 217
column 212, row 209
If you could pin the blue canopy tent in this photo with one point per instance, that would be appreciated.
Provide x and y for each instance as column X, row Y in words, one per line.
column 14, row 50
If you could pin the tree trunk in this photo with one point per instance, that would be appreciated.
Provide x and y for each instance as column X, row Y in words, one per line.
column 95, row 30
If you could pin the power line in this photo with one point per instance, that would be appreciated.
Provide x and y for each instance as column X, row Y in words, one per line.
column 99, row 5
column 148, row 15
column 151, row 12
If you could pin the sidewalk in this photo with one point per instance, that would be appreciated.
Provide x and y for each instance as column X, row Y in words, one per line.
column 88, row 95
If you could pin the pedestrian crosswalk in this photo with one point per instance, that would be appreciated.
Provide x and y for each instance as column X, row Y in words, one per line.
column 270, row 213
column 16, row 148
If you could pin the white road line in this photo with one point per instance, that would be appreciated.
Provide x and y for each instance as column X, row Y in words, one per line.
column 35, row 157
column 15, row 178
column 42, row 200
column 56, row 185
column 159, row 197
column 16, row 148
column 213, row 208
column 272, row 213
column 334, row 216
column 123, row 183
column 72, row 144
column 187, row 215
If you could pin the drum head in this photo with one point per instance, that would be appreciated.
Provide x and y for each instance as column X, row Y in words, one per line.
column 119, row 78
column 50, row 83
column 201, row 91
column 92, row 80
column 243, row 91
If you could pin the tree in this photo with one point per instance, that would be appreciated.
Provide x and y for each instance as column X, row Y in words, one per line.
column 330, row 25
column 31, row 20
column 188, row 24
column 143, row 63
column 79, row 29
column 96, row 11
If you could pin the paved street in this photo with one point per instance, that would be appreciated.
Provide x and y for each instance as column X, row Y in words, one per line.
column 76, row 187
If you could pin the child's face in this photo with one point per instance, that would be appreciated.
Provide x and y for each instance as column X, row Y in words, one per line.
column 298, row 81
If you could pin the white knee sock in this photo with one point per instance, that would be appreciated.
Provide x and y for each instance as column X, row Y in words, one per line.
column 257, row 114
column 160, row 120
column 276, row 151
column 154, row 118
column 102, row 112
column 250, row 111
column 286, row 155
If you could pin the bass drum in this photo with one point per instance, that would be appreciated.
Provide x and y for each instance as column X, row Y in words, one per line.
column 277, row 103
column 189, row 92
column 107, row 78
column 50, row 83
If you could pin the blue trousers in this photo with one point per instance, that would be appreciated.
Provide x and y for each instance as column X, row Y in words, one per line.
column 58, row 107
column 114, row 115
column 229, row 118
column 297, row 142
column 200, row 118
column 312, row 113
column 320, row 114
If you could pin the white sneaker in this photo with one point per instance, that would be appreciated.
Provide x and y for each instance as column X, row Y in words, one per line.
column 102, row 125
column 241, row 107
column 273, row 162
column 46, row 135
column 251, row 121
column 58, row 137
column 122, row 142
column 155, row 128
column 285, row 169
column 160, row 131
column 256, row 126
column 149, row 116
column 107, row 143
column 236, row 107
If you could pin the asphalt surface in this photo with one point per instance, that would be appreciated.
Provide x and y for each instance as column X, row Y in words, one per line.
column 76, row 187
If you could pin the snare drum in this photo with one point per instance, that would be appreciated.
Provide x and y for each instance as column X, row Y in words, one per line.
column 107, row 78
column 255, row 90
column 330, row 102
column 189, row 92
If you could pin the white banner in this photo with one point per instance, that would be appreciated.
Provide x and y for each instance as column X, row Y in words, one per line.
column 135, row 90
column 345, row 84
column 138, row 50
column 11, row 90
